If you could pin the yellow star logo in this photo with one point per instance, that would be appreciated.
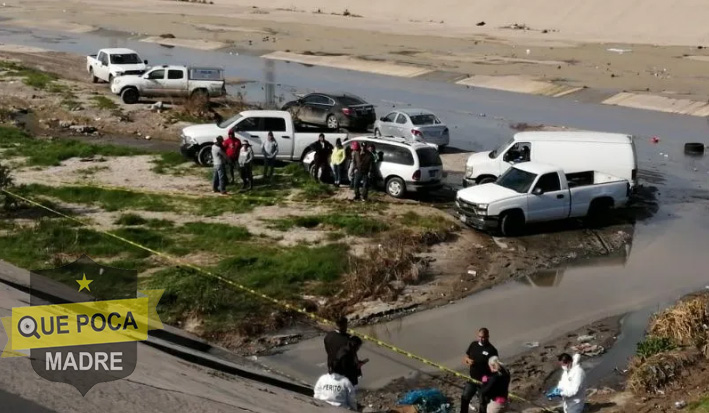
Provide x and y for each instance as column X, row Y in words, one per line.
column 84, row 283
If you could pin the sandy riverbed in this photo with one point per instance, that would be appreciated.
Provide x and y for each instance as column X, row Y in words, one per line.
column 562, row 41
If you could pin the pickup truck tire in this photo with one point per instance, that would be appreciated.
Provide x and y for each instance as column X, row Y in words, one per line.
column 204, row 155
column 511, row 223
column 332, row 122
column 200, row 94
column 94, row 79
column 486, row 180
column 130, row 95
column 395, row 187
column 598, row 212
column 694, row 148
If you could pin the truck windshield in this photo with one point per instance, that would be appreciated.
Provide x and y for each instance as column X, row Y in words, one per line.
column 229, row 121
column 517, row 180
column 125, row 59
column 501, row 148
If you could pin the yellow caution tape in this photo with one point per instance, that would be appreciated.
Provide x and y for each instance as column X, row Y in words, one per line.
column 275, row 301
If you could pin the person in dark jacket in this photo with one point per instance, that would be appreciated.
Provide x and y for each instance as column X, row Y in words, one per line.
column 477, row 357
column 355, row 157
column 347, row 363
column 495, row 387
column 363, row 173
column 336, row 340
column 323, row 150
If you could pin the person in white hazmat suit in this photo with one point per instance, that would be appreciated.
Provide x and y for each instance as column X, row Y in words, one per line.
column 571, row 387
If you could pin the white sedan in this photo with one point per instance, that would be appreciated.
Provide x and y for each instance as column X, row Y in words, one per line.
column 414, row 125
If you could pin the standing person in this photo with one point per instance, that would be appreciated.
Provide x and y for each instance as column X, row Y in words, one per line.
column 347, row 363
column 354, row 163
column 219, row 163
column 495, row 387
column 246, row 157
column 270, row 151
column 571, row 387
column 232, row 146
column 477, row 357
column 336, row 161
column 363, row 172
column 323, row 150
column 336, row 340
column 336, row 390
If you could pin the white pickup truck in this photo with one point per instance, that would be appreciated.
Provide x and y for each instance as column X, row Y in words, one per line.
column 108, row 64
column 171, row 81
column 252, row 126
column 534, row 192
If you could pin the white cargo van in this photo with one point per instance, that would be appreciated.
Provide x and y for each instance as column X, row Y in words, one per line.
column 610, row 153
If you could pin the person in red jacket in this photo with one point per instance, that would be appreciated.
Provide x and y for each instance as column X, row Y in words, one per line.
column 232, row 145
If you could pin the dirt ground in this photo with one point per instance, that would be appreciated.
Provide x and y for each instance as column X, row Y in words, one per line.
column 618, row 52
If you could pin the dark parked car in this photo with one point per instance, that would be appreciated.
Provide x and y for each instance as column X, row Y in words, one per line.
column 332, row 110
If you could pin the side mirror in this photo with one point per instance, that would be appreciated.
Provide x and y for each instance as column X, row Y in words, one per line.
column 538, row 191
column 145, row 62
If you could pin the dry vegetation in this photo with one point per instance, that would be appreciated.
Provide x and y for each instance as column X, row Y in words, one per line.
column 678, row 338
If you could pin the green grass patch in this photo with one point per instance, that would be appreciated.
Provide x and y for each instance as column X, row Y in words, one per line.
column 434, row 223
column 167, row 160
column 37, row 79
column 220, row 236
column 700, row 406
column 52, row 153
column 102, row 102
column 278, row 272
column 34, row 246
column 654, row 345
column 136, row 220
column 351, row 224
column 121, row 199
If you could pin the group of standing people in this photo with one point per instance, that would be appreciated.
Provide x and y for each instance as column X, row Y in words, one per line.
column 361, row 171
column 231, row 155
column 491, row 380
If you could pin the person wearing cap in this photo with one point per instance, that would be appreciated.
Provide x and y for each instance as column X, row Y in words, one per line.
column 269, row 149
column 246, row 158
column 232, row 146
column 219, row 161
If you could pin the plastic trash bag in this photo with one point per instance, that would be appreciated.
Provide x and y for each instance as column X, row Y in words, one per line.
column 426, row 401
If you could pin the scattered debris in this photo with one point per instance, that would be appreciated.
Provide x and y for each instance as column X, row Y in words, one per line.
column 480, row 24
column 619, row 51
column 531, row 344
column 85, row 129
column 680, row 404
column 589, row 350
column 586, row 338
column 654, row 139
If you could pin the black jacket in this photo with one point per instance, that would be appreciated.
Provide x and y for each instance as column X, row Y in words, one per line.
column 366, row 163
column 322, row 151
column 480, row 355
column 334, row 341
column 346, row 363
column 497, row 385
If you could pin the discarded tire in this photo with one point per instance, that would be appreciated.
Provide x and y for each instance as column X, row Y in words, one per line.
column 694, row 148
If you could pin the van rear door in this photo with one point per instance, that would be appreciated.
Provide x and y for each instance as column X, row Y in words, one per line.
column 430, row 164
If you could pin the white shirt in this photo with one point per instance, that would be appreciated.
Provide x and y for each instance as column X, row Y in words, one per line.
column 336, row 390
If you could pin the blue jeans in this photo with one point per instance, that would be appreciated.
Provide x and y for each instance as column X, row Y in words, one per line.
column 336, row 173
column 269, row 166
column 219, row 180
